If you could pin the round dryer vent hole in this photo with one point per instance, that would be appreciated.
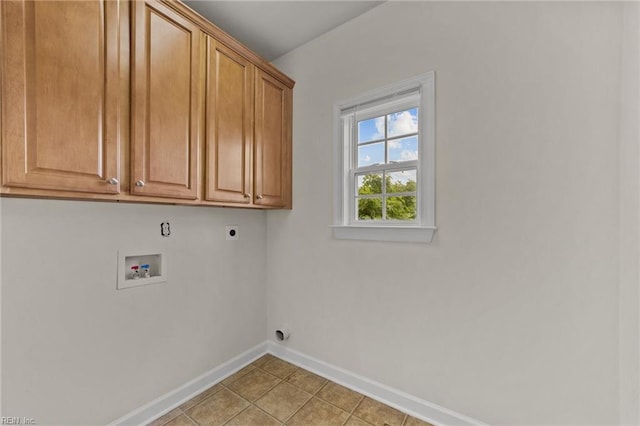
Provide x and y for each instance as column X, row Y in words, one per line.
column 282, row 335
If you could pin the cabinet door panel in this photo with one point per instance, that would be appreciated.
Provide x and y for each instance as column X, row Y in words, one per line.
column 166, row 99
column 60, row 74
column 272, row 142
column 229, row 131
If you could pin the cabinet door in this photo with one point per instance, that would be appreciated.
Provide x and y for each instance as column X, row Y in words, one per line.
column 60, row 95
column 272, row 181
column 228, row 124
column 166, row 102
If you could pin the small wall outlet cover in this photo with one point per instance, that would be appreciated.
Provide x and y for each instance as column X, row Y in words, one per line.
column 165, row 229
column 232, row 232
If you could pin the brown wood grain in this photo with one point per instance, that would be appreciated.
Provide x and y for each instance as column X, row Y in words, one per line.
column 165, row 102
column 229, row 123
column 60, row 71
column 130, row 99
column 272, row 181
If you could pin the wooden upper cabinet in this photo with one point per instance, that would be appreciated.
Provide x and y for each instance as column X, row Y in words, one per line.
column 59, row 69
column 272, row 132
column 166, row 85
column 193, row 115
column 229, row 125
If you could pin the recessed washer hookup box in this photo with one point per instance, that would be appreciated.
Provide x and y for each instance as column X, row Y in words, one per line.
column 138, row 268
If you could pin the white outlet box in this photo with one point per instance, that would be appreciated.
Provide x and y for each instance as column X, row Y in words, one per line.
column 232, row 232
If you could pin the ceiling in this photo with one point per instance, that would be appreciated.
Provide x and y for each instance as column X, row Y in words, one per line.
column 273, row 28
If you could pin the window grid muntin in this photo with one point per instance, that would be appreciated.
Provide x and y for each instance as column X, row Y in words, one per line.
column 384, row 195
column 379, row 112
column 386, row 166
column 354, row 145
column 386, row 147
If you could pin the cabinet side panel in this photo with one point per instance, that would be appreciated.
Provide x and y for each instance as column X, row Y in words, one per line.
column 13, row 92
column 272, row 152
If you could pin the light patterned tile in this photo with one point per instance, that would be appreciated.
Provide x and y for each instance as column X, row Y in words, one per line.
column 283, row 400
column 235, row 376
column 217, row 409
column 378, row 414
column 201, row 397
column 306, row 381
column 181, row 420
column 254, row 384
column 263, row 360
column 163, row 420
column 412, row 421
column 340, row 396
column 279, row 368
column 253, row 416
column 354, row 421
column 318, row 413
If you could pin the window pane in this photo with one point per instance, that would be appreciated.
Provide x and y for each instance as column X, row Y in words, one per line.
column 370, row 208
column 402, row 123
column 371, row 154
column 371, row 130
column 401, row 208
column 402, row 181
column 405, row 149
column 370, row 184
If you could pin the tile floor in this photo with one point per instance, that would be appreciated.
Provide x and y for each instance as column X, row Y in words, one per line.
column 271, row 391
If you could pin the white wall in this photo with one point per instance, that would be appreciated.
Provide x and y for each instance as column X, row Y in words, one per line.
column 511, row 314
column 1, row 315
column 75, row 350
column 524, row 310
column 629, row 218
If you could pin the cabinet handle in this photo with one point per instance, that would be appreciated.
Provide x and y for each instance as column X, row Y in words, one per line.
column 247, row 195
column 259, row 197
column 113, row 181
column 139, row 183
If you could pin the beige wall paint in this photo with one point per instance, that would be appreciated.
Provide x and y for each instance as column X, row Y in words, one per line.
column 75, row 350
column 511, row 314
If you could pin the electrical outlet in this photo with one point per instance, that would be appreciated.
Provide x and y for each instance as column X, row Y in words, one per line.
column 233, row 232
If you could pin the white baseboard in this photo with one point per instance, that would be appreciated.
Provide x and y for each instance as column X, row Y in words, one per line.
column 402, row 401
column 175, row 398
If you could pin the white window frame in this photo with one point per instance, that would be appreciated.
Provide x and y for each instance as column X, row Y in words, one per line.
column 382, row 101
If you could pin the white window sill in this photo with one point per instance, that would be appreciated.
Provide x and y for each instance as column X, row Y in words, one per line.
column 413, row 234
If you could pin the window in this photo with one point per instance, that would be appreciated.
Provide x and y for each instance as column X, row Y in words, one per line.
column 384, row 163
